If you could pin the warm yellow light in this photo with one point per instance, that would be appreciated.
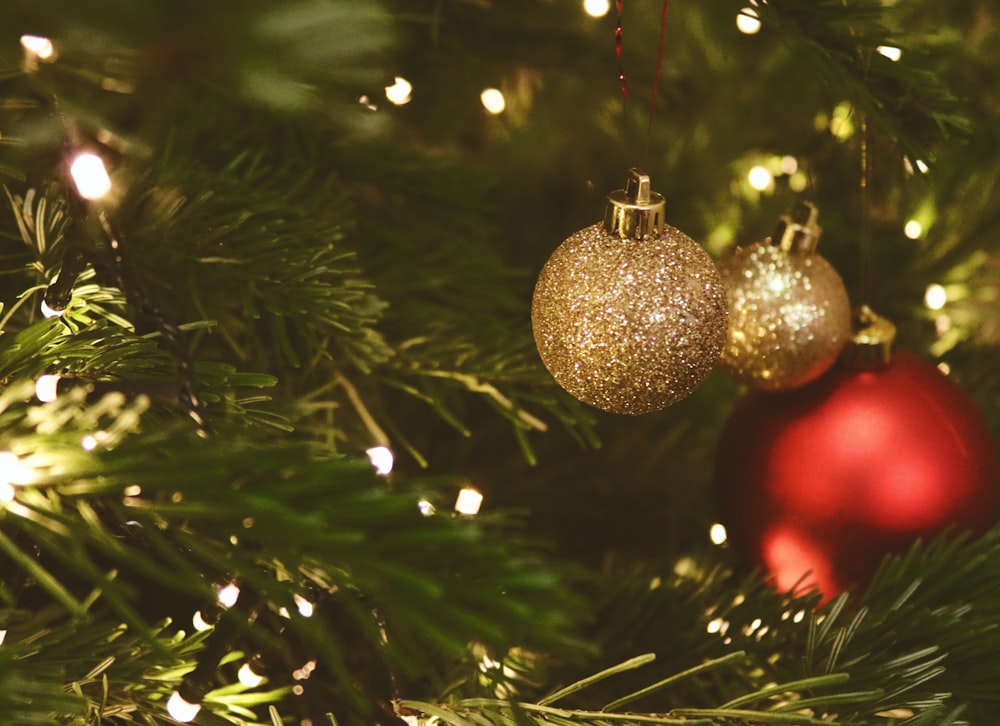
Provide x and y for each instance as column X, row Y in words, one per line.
column 798, row 181
column 597, row 8
column 799, row 616
column 469, row 501
column 38, row 46
column 305, row 607
column 921, row 166
column 913, row 229
column 935, row 297
column 199, row 622
column 944, row 367
column 789, row 165
column 48, row 312
column 400, row 92
column 89, row 442
column 181, row 710
column 890, row 52
column 747, row 21
column 6, row 492
column 228, row 595
column 426, row 508
column 841, row 125
column 493, row 100
column 90, row 176
column 47, row 388
column 717, row 534
column 12, row 471
column 381, row 458
column 248, row 677
column 133, row 490
column 760, row 178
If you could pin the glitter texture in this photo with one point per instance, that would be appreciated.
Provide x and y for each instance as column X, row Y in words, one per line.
column 789, row 316
column 629, row 325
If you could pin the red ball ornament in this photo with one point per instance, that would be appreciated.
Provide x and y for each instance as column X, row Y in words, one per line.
column 829, row 478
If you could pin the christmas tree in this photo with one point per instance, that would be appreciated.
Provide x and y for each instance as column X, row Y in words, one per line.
column 278, row 446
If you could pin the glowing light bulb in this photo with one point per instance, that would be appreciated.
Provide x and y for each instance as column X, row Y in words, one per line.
column 381, row 458
column 12, row 471
column 38, row 46
column 3, row 636
column 426, row 508
column 493, row 100
column 935, row 297
column 841, row 125
column 944, row 367
column 597, row 8
column 228, row 595
column 913, row 229
column 469, row 501
column 760, row 178
column 717, row 534
column 181, row 710
column 49, row 312
column 248, row 677
column 199, row 622
column 6, row 492
column 921, row 166
column 90, row 176
column 89, row 442
column 890, row 52
column 789, row 165
column 747, row 21
column 305, row 607
column 400, row 92
column 47, row 388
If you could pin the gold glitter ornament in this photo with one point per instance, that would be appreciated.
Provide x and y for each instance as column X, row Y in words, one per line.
column 630, row 315
column 789, row 315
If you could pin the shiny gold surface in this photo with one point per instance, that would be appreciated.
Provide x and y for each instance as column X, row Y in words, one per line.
column 789, row 316
column 629, row 325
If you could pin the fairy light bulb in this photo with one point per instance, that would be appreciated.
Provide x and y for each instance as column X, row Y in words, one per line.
column 305, row 607
column 180, row 710
column 747, row 21
column 597, row 8
column 493, row 100
column 38, row 46
column 891, row 52
column 717, row 534
column 90, row 176
column 228, row 595
column 199, row 622
column 913, row 229
column 89, row 442
column 760, row 178
column 400, row 92
column 249, row 677
column 47, row 388
column 425, row 507
column 381, row 458
column 49, row 312
column 468, row 502
column 935, row 297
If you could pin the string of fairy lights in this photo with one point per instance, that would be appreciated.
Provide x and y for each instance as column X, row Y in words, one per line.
column 93, row 183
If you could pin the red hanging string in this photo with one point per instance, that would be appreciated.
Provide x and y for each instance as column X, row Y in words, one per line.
column 656, row 76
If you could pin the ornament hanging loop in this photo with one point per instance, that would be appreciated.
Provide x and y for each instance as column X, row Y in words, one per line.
column 635, row 212
column 871, row 345
column 798, row 231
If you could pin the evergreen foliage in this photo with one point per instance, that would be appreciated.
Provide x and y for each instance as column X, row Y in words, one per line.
column 290, row 269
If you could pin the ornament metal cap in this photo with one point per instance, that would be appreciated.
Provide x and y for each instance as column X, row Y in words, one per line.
column 871, row 347
column 636, row 211
column 798, row 231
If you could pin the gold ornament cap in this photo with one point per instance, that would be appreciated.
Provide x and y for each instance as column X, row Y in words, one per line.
column 871, row 345
column 636, row 211
column 798, row 231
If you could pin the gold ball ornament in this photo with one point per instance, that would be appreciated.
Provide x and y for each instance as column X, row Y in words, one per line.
column 789, row 314
column 630, row 315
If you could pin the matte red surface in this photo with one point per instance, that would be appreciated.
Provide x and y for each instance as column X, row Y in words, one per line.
column 829, row 478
